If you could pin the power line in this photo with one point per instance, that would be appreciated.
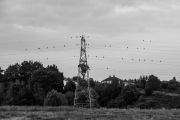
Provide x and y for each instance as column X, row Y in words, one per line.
column 133, row 51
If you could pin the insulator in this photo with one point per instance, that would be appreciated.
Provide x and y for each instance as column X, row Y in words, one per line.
column 132, row 59
column 144, row 59
column 150, row 40
column 38, row 48
column 47, row 58
column 143, row 40
column 26, row 49
column 137, row 48
column 64, row 45
column 122, row 58
column 160, row 61
column 53, row 46
column 47, row 47
column 96, row 56
column 144, row 48
column 110, row 46
column 127, row 47
column 107, row 68
column 103, row 56
column 76, row 36
column 139, row 59
column 71, row 37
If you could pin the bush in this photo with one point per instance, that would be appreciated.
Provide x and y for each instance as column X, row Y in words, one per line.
column 17, row 94
column 54, row 98
column 164, row 85
column 172, row 87
column 153, row 82
column 141, row 99
column 130, row 94
column 148, row 91
column 146, row 105
column 70, row 97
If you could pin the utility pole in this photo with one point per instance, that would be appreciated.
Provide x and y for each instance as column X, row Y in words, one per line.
column 83, row 89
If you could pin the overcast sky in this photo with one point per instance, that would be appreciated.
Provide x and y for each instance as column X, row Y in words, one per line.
column 149, row 28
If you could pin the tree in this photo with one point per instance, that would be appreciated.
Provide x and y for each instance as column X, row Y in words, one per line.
column 142, row 81
column 44, row 80
column 11, row 74
column 129, row 94
column 153, row 82
column 17, row 94
column 148, row 91
column 70, row 97
column 1, row 75
column 26, row 70
column 54, row 98
column 53, row 68
column 70, row 86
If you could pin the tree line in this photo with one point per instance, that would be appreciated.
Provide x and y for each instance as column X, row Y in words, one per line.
column 30, row 83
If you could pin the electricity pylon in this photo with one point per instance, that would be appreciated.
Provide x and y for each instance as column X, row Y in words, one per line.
column 83, row 89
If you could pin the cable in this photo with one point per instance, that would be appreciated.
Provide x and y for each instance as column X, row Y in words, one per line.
column 137, row 48
column 37, row 52
column 134, row 51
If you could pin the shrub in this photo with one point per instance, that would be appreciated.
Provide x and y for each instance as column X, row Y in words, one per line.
column 146, row 105
column 141, row 99
column 153, row 82
column 130, row 94
column 164, row 85
column 16, row 94
column 148, row 91
column 172, row 87
column 54, row 98
column 70, row 97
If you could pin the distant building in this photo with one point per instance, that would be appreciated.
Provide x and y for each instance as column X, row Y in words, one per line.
column 110, row 79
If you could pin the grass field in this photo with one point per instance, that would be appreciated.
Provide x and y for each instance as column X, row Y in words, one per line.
column 70, row 113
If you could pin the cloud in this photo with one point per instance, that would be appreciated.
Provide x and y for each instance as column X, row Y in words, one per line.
column 102, row 16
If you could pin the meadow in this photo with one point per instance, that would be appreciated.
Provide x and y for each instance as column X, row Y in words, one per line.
column 71, row 113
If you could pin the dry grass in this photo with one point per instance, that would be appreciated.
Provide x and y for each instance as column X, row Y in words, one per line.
column 70, row 113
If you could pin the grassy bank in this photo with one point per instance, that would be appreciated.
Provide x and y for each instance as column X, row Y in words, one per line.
column 70, row 113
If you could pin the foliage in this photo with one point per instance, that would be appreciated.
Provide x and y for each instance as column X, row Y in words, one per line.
column 52, row 68
column 148, row 91
column 153, row 82
column 27, row 68
column 142, row 82
column 17, row 94
column 11, row 74
column 129, row 94
column 70, row 86
column 1, row 74
column 43, row 81
column 141, row 99
column 70, row 97
column 146, row 105
column 172, row 87
column 164, row 85
column 54, row 98
column 106, row 92
column 166, row 101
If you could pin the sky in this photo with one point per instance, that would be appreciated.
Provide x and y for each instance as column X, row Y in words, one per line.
column 125, row 38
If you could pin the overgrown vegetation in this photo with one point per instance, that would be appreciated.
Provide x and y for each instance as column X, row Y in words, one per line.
column 30, row 83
